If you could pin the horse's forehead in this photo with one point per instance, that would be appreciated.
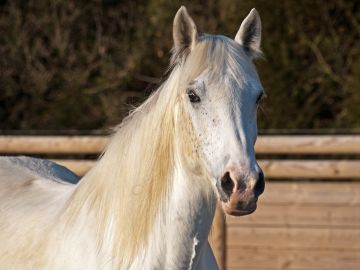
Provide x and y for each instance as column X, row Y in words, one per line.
column 243, row 72
column 250, row 82
column 243, row 81
column 237, row 71
column 225, row 65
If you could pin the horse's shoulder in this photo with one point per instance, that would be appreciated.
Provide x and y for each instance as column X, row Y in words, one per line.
column 23, row 168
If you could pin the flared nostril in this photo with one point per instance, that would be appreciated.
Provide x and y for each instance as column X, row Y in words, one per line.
column 260, row 184
column 227, row 184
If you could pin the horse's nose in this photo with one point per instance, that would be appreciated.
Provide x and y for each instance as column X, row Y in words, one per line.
column 234, row 181
column 227, row 184
column 260, row 184
column 239, row 189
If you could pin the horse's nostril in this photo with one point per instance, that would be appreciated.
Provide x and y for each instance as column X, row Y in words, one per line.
column 260, row 184
column 227, row 184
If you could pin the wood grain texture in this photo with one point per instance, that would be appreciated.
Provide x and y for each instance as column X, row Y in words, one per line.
column 293, row 259
column 305, row 204
column 52, row 144
column 315, row 144
column 300, row 216
column 299, row 237
column 298, row 226
column 311, row 193
column 266, row 144
column 280, row 169
column 329, row 169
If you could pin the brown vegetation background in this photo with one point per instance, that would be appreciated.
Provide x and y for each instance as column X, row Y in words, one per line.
column 84, row 64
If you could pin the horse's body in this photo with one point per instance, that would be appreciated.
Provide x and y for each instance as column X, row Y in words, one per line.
column 149, row 201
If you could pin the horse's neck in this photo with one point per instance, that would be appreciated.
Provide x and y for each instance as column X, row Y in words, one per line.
column 181, row 228
column 190, row 214
column 182, row 217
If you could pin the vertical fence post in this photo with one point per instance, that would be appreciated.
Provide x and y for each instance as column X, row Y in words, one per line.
column 218, row 237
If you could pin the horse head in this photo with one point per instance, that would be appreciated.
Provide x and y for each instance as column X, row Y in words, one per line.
column 220, row 96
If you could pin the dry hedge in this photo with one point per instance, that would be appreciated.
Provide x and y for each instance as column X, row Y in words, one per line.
column 83, row 64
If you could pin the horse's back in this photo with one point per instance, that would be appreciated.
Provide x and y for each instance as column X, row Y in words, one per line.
column 21, row 168
column 33, row 193
column 25, row 180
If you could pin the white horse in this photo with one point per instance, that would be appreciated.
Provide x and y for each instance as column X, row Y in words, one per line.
column 149, row 201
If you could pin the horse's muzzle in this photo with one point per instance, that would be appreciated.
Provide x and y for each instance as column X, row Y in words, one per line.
column 239, row 196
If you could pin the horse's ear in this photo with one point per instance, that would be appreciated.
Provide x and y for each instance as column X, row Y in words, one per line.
column 249, row 34
column 184, row 32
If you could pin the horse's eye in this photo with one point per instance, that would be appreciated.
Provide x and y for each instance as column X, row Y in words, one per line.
column 194, row 98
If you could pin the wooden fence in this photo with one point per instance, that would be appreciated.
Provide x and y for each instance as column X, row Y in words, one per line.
column 308, row 217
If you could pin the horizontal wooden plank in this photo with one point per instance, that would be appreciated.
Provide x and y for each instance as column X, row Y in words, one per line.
column 311, row 193
column 316, row 144
column 266, row 144
column 284, row 169
column 329, row 169
column 298, row 226
column 293, row 259
column 300, row 215
column 52, row 144
column 252, row 268
column 285, row 237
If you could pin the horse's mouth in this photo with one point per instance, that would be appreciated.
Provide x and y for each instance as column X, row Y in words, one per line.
column 239, row 210
column 239, row 203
